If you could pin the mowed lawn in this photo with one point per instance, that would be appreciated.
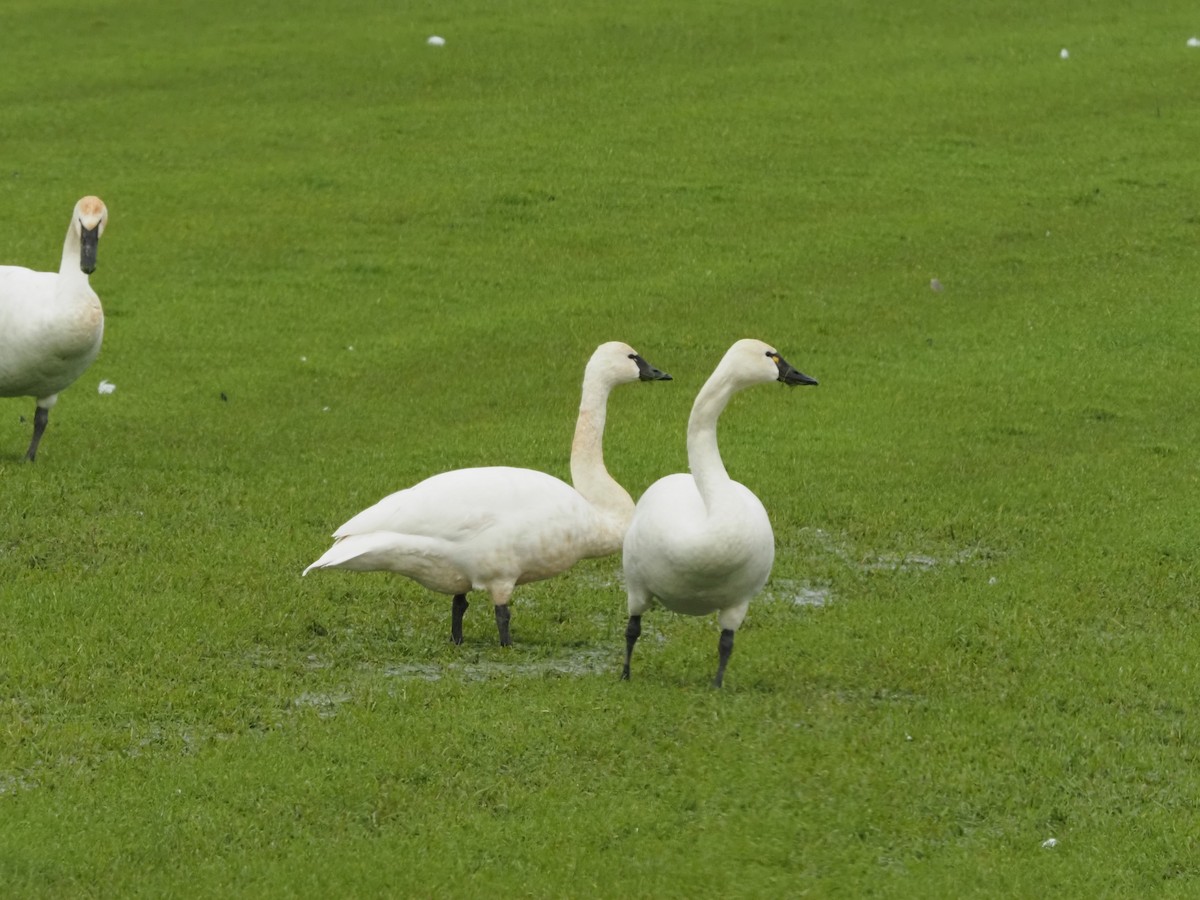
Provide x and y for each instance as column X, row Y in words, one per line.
column 340, row 260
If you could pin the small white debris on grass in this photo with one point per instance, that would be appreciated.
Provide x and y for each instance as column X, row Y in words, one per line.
column 304, row 359
column 935, row 285
column 324, row 409
column 106, row 387
column 436, row 41
column 1064, row 53
column 1049, row 843
column 1193, row 42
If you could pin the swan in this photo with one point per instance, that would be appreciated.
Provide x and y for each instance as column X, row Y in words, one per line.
column 702, row 543
column 493, row 528
column 51, row 323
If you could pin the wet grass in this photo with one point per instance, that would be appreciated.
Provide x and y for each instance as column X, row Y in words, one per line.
column 340, row 260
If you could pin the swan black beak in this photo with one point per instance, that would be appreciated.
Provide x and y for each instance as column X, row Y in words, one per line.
column 789, row 375
column 647, row 372
column 89, row 239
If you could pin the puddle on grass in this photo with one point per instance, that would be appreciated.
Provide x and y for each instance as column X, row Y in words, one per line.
column 908, row 562
column 601, row 581
column 577, row 663
column 798, row 593
column 894, row 561
column 325, row 704
column 572, row 664
column 804, row 593
column 263, row 658
column 12, row 784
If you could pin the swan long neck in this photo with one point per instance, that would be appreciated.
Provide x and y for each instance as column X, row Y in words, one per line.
column 704, row 457
column 588, row 473
column 72, row 249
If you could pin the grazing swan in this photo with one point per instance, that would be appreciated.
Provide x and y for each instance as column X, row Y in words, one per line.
column 490, row 529
column 702, row 542
column 51, row 323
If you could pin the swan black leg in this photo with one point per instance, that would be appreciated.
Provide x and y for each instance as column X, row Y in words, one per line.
column 724, row 649
column 457, row 609
column 40, row 418
column 502, row 616
column 632, row 632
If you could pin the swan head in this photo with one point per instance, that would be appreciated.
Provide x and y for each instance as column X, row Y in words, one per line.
column 88, row 221
column 751, row 362
column 618, row 363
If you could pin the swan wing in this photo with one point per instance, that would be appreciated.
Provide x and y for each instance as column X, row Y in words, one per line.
column 471, row 528
column 457, row 506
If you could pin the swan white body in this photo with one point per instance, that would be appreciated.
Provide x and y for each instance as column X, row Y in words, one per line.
column 484, row 529
column 702, row 543
column 496, row 527
column 51, row 323
column 698, row 560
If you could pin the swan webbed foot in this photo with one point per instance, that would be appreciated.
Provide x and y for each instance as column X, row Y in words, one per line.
column 458, row 607
column 502, row 616
column 632, row 632
column 40, row 417
column 724, row 650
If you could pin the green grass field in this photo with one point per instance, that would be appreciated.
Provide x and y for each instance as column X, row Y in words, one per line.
column 340, row 260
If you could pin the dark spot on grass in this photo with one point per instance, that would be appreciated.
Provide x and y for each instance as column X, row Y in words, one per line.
column 360, row 268
column 1135, row 182
column 318, row 182
column 316, row 629
column 524, row 198
column 1016, row 430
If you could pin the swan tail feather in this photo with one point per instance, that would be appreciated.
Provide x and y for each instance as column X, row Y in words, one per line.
column 362, row 552
column 375, row 551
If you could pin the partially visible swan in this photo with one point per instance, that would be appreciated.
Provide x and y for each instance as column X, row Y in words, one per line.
column 702, row 543
column 490, row 529
column 51, row 323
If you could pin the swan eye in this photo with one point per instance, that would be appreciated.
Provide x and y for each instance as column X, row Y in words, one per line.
column 633, row 356
column 774, row 356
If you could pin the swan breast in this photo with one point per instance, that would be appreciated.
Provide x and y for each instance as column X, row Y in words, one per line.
column 45, row 343
column 697, row 559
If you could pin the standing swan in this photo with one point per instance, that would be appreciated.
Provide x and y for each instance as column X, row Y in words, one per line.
column 702, row 542
column 51, row 323
column 490, row 529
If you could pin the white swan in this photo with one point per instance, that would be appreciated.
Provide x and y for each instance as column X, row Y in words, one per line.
column 702, row 543
column 493, row 528
column 51, row 323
